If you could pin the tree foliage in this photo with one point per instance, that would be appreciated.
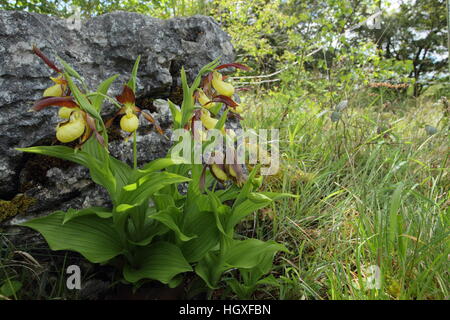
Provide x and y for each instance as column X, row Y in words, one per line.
column 329, row 39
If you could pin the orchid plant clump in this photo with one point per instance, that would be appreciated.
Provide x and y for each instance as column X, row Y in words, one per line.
column 153, row 231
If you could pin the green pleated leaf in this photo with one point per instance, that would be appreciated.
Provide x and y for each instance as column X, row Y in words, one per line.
column 82, row 100
column 245, row 208
column 210, row 269
column 250, row 253
column 99, row 211
column 171, row 218
column 176, row 114
column 160, row 164
column 71, row 71
column 203, row 225
column 93, row 237
column 140, row 191
column 95, row 149
column 122, row 172
column 160, row 261
column 10, row 287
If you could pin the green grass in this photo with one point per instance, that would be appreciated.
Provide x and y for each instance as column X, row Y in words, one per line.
column 373, row 191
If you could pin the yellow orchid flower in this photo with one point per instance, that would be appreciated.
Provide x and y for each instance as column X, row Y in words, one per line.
column 79, row 124
column 72, row 129
column 65, row 112
column 203, row 99
column 58, row 89
column 223, row 88
column 208, row 122
column 218, row 172
column 129, row 122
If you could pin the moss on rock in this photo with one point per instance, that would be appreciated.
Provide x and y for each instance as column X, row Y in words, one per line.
column 19, row 204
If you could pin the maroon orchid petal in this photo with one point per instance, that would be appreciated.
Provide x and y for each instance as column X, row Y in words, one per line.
column 235, row 115
column 240, row 175
column 150, row 119
column 233, row 65
column 224, row 99
column 91, row 124
column 109, row 122
column 196, row 117
column 54, row 101
column 202, row 181
column 45, row 59
column 206, row 84
column 127, row 95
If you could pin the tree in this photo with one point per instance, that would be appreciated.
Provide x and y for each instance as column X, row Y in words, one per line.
column 418, row 31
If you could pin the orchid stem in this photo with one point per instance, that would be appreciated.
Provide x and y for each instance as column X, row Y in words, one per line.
column 134, row 151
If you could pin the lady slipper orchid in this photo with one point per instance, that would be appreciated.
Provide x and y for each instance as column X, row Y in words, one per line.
column 130, row 121
column 222, row 87
column 207, row 121
column 214, row 91
column 65, row 112
column 73, row 129
column 58, row 89
column 79, row 124
column 203, row 99
column 216, row 79
column 218, row 172
column 225, row 172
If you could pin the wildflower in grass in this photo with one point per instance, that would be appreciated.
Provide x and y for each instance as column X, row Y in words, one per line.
column 212, row 94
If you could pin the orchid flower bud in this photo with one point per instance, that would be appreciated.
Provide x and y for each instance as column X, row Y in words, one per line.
column 223, row 88
column 129, row 122
column 71, row 130
column 257, row 182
